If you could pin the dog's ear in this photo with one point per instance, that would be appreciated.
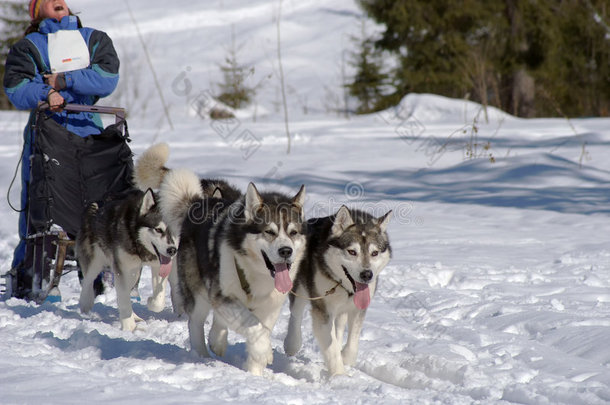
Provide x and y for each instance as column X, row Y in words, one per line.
column 254, row 202
column 343, row 220
column 147, row 202
column 299, row 200
column 217, row 193
column 383, row 221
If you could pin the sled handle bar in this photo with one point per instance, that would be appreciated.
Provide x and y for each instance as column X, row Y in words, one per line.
column 118, row 112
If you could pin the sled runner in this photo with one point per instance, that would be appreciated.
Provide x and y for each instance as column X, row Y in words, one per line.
column 66, row 173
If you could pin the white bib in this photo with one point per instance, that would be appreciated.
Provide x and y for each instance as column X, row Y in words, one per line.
column 67, row 51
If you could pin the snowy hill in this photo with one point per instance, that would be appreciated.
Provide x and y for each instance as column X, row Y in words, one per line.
column 498, row 290
column 188, row 42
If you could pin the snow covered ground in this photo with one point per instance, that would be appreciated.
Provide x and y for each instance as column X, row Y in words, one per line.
column 499, row 288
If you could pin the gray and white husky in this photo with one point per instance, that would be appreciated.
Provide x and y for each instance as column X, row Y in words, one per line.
column 345, row 254
column 238, row 258
column 125, row 235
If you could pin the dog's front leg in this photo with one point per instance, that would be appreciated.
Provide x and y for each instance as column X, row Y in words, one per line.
column 126, row 279
column 326, row 335
column 260, row 354
column 197, row 317
column 91, row 267
column 350, row 351
column 218, row 337
column 293, row 340
column 340, row 323
column 156, row 302
column 268, row 317
column 258, row 337
column 177, row 300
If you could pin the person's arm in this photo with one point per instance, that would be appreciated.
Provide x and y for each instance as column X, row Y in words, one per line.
column 23, row 84
column 101, row 78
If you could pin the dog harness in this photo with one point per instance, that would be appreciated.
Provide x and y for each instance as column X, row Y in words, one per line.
column 242, row 279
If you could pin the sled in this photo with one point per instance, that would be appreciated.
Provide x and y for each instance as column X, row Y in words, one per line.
column 67, row 172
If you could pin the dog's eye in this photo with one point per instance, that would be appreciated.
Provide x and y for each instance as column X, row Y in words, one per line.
column 374, row 253
column 159, row 230
column 352, row 252
column 270, row 232
column 293, row 233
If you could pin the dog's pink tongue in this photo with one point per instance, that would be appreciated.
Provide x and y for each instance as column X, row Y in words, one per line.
column 166, row 266
column 283, row 283
column 362, row 297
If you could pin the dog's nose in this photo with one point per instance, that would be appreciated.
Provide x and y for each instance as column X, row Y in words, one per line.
column 171, row 251
column 366, row 275
column 285, row 252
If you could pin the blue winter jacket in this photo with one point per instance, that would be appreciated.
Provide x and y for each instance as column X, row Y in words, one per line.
column 28, row 61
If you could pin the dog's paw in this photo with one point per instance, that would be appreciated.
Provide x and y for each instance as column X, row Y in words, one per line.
column 177, row 304
column 270, row 356
column 200, row 350
column 86, row 303
column 156, row 304
column 349, row 356
column 292, row 343
column 128, row 324
column 259, row 355
column 337, row 369
column 334, row 364
column 218, row 339
column 198, row 346
column 254, row 367
column 218, row 347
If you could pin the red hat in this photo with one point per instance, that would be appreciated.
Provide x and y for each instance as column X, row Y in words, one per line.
column 35, row 9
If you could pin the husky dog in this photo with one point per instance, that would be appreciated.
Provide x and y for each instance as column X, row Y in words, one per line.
column 238, row 258
column 345, row 254
column 125, row 235
column 178, row 188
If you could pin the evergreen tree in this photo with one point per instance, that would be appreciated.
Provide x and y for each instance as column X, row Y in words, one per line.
column 233, row 90
column 576, row 76
column 433, row 40
column 14, row 19
column 529, row 58
column 369, row 81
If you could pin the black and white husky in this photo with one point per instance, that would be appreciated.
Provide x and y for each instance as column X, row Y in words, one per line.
column 125, row 235
column 237, row 257
column 345, row 254
column 176, row 194
column 241, row 261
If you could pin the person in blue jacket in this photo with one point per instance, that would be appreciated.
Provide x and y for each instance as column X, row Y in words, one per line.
column 58, row 61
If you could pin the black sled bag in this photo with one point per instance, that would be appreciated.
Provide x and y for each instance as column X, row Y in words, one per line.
column 68, row 172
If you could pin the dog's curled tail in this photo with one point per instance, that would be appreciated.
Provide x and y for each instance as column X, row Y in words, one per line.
column 150, row 169
column 179, row 189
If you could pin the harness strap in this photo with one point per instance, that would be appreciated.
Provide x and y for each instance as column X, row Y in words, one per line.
column 242, row 279
column 326, row 294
